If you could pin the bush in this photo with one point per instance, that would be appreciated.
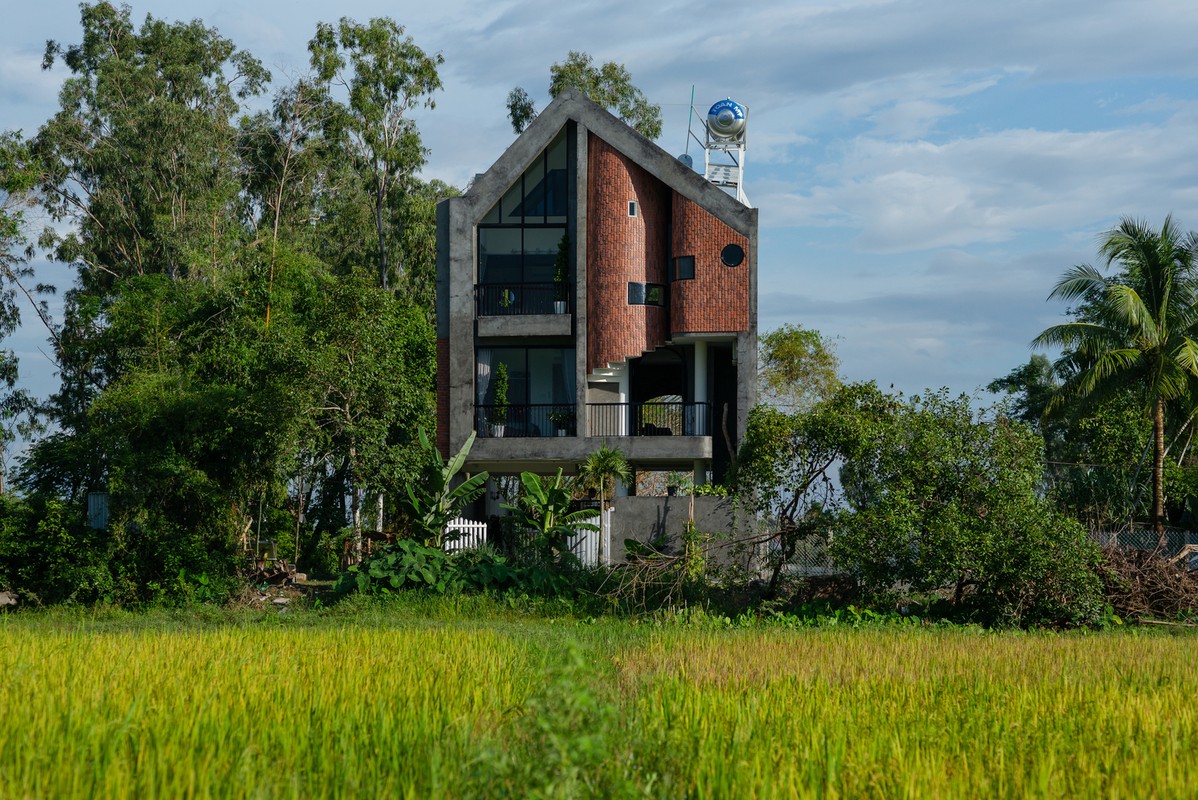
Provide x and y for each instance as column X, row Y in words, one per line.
column 946, row 500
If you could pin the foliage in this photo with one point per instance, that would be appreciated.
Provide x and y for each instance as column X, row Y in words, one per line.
column 561, row 269
column 434, row 500
column 941, row 499
column 17, row 181
column 1137, row 329
column 384, row 75
column 543, row 508
column 140, row 158
column 600, row 470
column 406, row 564
column 609, row 85
column 501, row 394
column 786, row 461
column 797, row 367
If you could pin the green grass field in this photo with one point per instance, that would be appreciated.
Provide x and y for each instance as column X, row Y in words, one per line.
column 463, row 698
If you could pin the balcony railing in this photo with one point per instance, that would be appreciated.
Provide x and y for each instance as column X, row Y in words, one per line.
column 649, row 419
column 606, row 419
column 526, row 421
column 500, row 299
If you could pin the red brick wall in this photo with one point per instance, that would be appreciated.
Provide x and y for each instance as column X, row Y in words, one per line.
column 443, row 396
column 621, row 249
column 717, row 300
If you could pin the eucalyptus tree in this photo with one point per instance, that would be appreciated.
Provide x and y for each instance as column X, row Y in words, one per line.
column 140, row 158
column 608, row 84
column 384, row 76
column 17, row 406
column 1134, row 330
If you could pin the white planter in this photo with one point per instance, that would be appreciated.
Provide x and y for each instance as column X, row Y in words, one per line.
column 497, row 430
column 560, row 306
column 561, row 431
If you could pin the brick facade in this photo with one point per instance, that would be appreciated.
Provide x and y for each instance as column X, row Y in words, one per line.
column 623, row 249
column 717, row 299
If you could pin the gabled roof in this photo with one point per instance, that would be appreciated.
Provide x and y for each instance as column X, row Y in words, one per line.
column 573, row 105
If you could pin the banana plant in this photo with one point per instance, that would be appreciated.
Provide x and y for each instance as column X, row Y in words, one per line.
column 433, row 502
column 544, row 509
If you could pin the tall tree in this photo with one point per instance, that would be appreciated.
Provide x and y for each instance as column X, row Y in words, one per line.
column 609, row 84
column 385, row 75
column 1136, row 329
column 17, row 180
column 798, row 367
column 141, row 156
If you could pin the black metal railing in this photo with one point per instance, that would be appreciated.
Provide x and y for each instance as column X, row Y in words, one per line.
column 526, row 421
column 649, row 419
column 500, row 299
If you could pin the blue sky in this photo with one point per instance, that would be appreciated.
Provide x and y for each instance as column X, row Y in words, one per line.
column 925, row 169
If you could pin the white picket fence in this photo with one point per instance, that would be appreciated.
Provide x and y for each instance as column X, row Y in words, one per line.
column 471, row 534
column 584, row 544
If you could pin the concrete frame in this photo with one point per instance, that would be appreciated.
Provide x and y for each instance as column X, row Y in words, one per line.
column 457, row 260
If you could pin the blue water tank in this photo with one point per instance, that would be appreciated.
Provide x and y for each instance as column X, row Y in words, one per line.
column 726, row 119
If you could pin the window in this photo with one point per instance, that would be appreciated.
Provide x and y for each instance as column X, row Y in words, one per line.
column 646, row 294
column 684, row 268
column 732, row 255
column 632, row 208
column 519, row 237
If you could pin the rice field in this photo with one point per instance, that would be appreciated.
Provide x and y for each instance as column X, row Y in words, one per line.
column 466, row 699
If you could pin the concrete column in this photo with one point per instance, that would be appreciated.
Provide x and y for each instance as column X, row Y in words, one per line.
column 700, row 371
column 625, row 390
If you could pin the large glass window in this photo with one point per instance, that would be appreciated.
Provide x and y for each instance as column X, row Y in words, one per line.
column 536, row 375
column 540, row 398
column 518, row 239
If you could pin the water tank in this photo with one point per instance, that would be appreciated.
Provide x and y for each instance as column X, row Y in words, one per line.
column 726, row 119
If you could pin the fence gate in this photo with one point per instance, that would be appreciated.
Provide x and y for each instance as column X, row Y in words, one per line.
column 585, row 544
column 471, row 534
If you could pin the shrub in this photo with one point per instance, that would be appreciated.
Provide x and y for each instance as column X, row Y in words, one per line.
column 947, row 500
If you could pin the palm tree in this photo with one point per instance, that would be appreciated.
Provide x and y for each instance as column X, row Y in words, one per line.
column 1134, row 330
column 601, row 470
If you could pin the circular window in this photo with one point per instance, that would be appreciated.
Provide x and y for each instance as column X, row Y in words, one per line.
column 733, row 255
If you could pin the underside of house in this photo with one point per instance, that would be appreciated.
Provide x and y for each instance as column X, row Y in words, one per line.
column 593, row 289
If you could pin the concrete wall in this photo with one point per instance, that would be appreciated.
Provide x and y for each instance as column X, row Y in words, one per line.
column 647, row 518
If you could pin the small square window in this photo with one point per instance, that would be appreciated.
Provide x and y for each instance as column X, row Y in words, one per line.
column 684, row 268
column 632, row 208
column 646, row 294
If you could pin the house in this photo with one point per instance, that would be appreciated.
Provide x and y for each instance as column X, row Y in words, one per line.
column 615, row 287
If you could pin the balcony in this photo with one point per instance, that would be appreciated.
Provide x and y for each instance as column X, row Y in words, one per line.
column 606, row 420
column 649, row 419
column 523, row 299
column 540, row 420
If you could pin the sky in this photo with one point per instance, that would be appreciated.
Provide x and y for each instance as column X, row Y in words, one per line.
column 925, row 170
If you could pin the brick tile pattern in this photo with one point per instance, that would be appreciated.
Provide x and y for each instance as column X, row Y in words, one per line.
column 717, row 299
column 621, row 249
column 443, row 395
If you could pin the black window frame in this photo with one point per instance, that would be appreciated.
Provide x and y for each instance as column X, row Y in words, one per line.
column 681, row 267
column 640, row 292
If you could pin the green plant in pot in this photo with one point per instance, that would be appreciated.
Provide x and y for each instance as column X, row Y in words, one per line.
column 499, row 412
column 561, row 276
column 562, row 418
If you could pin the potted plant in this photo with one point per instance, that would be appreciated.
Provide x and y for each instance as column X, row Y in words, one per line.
column 561, row 276
column 676, row 482
column 562, row 417
column 499, row 416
